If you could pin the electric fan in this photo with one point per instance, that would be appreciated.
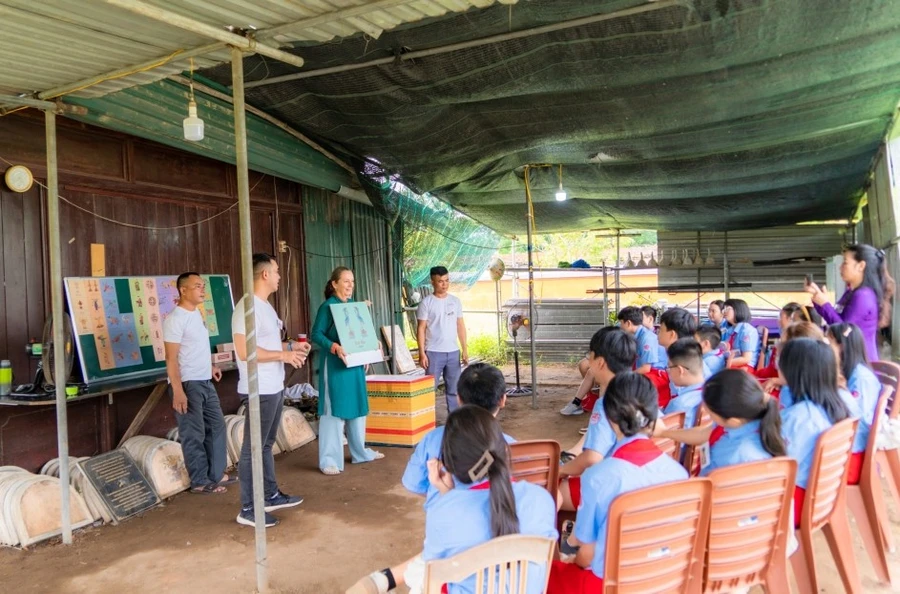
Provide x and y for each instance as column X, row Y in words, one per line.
column 518, row 322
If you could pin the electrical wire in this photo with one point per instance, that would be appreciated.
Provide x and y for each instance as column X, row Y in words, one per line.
column 132, row 225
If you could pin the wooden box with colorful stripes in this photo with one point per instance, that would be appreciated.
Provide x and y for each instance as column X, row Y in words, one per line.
column 401, row 409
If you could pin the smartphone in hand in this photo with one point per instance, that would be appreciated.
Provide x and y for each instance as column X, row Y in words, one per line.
column 809, row 279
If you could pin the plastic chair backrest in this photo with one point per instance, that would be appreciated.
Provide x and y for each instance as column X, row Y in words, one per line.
column 870, row 465
column 537, row 462
column 670, row 446
column 656, row 539
column 888, row 374
column 750, row 522
column 692, row 453
column 500, row 565
column 764, row 347
column 825, row 489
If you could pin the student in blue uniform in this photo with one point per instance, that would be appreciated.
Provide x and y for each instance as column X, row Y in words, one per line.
column 862, row 385
column 477, row 501
column 630, row 405
column 631, row 321
column 810, row 370
column 751, row 421
column 776, row 386
column 480, row 385
column 612, row 352
column 686, row 372
column 650, row 315
column 710, row 339
column 743, row 340
column 674, row 324
column 716, row 313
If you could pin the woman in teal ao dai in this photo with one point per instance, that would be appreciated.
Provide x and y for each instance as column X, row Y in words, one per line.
column 342, row 398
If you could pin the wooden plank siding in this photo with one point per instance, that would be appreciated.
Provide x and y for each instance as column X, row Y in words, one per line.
column 118, row 177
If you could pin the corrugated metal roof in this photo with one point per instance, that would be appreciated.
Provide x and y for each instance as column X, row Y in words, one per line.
column 52, row 43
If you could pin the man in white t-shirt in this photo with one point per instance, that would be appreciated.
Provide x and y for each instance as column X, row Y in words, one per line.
column 271, row 356
column 201, row 425
column 440, row 333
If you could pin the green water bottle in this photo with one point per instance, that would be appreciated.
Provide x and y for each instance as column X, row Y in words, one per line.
column 5, row 377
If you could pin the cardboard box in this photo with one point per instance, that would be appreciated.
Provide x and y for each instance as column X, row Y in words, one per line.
column 225, row 347
column 223, row 357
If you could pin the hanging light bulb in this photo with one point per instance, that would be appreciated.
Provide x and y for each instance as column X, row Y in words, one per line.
column 560, row 193
column 193, row 125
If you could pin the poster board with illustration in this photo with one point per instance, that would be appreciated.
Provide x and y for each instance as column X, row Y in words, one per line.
column 356, row 331
column 401, row 354
column 118, row 322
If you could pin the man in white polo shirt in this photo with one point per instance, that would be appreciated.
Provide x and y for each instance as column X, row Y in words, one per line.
column 201, row 425
column 271, row 355
column 440, row 333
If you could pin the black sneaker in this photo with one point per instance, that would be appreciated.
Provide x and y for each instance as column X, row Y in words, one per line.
column 281, row 501
column 247, row 518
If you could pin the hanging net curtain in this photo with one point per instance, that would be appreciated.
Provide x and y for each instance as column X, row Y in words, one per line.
column 434, row 234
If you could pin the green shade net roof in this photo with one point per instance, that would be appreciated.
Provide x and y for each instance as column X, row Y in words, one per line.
column 696, row 114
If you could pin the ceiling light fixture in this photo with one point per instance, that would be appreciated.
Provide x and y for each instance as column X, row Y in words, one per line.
column 193, row 125
column 560, row 193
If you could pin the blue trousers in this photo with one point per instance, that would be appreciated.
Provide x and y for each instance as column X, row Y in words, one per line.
column 449, row 365
column 201, row 431
column 331, row 437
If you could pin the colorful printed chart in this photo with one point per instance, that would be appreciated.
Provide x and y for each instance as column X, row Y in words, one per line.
column 119, row 321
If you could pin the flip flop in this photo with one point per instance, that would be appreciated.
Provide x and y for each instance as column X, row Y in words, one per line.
column 209, row 489
column 378, row 455
column 330, row 470
column 228, row 480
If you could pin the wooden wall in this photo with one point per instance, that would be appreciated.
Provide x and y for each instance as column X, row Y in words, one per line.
column 107, row 175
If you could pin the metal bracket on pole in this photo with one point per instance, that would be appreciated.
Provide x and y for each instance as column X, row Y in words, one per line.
column 243, row 186
column 9, row 102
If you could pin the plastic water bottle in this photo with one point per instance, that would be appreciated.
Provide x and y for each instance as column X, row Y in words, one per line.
column 5, row 377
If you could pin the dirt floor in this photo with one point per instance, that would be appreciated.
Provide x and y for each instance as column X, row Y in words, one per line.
column 347, row 526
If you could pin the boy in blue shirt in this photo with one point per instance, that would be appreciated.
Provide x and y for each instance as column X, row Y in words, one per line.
column 631, row 320
column 710, row 339
column 686, row 372
column 481, row 385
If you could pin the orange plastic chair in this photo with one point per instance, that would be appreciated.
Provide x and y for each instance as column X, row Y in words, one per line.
column 656, row 539
column 866, row 503
column 537, row 462
column 500, row 565
column 749, row 527
column 825, row 509
column 888, row 461
column 670, row 446
column 763, row 348
column 692, row 453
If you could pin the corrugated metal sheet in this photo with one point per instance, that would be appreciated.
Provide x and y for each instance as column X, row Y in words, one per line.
column 746, row 247
column 344, row 233
column 155, row 112
column 52, row 43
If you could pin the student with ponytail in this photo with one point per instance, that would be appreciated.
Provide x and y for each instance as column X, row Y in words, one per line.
column 810, row 370
column 863, row 388
column 630, row 405
column 478, row 501
column 751, row 422
column 790, row 313
column 776, row 386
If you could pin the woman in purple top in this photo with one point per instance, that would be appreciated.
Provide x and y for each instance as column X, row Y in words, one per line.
column 867, row 301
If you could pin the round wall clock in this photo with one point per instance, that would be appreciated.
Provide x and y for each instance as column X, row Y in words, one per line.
column 19, row 178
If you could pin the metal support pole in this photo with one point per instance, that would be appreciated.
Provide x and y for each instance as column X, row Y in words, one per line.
column 616, row 268
column 390, row 275
column 605, row 297
column 499, row 311
column 725, row 268
column 529, row 221
column 698, row 263
column 243, row 187
column 57, row 315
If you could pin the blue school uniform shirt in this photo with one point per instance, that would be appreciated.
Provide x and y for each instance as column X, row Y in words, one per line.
column 736, row 446
column 726, row 329
column 746, row 340
column 688, row 400
column 662, row 360
column 801, row 426
column 864, row 389
column 606, row 480
column 600, row 436
column 415, row 477
column 461, row 519
column 714, row 361
column 647, row 347
column 677, row 390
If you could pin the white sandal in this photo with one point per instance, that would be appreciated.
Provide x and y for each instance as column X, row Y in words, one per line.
column 378, row 455
column 330, row 470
